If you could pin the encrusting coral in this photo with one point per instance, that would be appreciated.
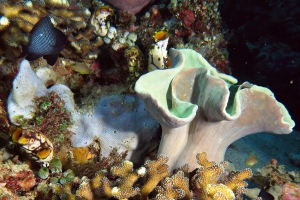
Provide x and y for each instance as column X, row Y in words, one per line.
column 201, row 109
column 17, row 180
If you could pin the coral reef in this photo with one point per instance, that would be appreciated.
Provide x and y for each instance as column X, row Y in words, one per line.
column 206, row 180
column 21, row 16
column 17, row 181
column 273, row 174
column 203, row 19
column 130, row 6
column 117, row 121
column 275, row 182
column 200, row 109
column 35, row 145
column 290, row 191
column 123, row 182
column 4, row 123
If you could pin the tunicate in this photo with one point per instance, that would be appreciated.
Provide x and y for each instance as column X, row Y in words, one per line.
column 122, row 40
column 106, row 40
column 132, row 37
column 126, row 34
column 174, row 2
column 110, row 35
column 130, row 43
column 43, row 173
column 147, row 14
column 112, row 30
column 162, row 5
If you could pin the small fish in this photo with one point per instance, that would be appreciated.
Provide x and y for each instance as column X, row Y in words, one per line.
column 251, row 160
column 45, row 40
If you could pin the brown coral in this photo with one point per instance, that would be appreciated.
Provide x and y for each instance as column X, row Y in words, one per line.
column 127, row 178
column 123, row 182
column 206, row 180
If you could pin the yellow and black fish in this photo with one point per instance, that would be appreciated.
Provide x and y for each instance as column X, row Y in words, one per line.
column 35, row 145
column 45, row 40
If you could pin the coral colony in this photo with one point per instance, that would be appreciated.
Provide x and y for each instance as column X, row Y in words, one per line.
column 125, row 106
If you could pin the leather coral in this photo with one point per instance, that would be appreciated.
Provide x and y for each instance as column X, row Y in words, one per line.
column 202, row 110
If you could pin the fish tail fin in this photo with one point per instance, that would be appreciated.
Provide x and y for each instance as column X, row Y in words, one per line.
column 24, row 51
column 51, row 59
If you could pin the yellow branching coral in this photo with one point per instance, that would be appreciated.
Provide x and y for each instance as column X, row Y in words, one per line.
column 84, row 190
column 157, row 170
column 203, row 185
column 206, row 180
column 64, row 191
column 96, row 182
column 127, row 178
column 175, row 187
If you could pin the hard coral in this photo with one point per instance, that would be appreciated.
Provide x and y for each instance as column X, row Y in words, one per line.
column 187, row 17
column 290, row 191
column 17, row 181
column 199, row 22
column 206, row 180
column 128, row 5
column 121, row 181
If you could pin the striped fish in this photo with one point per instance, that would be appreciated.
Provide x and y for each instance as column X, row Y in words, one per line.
column 45, row 40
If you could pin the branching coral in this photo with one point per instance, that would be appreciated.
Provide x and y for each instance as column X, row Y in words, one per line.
column 127, row 178
column 175, row 187
column 157, row 170
column 203, row 185
column 206, row 180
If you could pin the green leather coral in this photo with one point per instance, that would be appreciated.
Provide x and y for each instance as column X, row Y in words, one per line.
column 201, row 110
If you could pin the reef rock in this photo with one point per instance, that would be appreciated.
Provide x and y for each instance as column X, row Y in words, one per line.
column 202, row 110
column 132, row 6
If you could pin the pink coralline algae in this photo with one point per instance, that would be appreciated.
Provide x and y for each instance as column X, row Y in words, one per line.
column 132, row 6
column 187, row 17
column 290, row 191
